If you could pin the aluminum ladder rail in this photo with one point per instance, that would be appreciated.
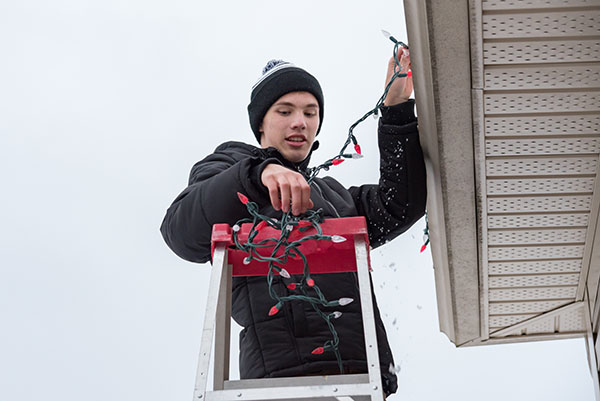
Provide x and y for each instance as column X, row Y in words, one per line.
column 217, row 324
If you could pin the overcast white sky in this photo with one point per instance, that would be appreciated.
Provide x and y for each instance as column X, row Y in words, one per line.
column 104, row 107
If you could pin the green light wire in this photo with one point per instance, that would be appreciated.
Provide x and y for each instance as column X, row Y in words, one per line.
column 290, row 249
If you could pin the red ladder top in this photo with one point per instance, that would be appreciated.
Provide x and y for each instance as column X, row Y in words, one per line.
column 322, row 256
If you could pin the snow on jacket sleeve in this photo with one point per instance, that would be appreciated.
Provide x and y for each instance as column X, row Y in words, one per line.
column 211, row 198
column 398, row 201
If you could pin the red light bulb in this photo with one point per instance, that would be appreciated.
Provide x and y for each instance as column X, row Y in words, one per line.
column 337, row 161
column 423, row 248
column 310, row 282
column 318, row 350
column 243, row 198
column 291, row 286
column 357, row 149
column 274, row 310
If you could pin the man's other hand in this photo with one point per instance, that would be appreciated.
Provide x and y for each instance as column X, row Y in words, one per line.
column 286, row 186
column 402, row 87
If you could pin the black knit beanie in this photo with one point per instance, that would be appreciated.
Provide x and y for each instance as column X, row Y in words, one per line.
column 279, row 78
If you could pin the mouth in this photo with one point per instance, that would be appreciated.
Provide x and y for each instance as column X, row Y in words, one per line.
column 295, row 140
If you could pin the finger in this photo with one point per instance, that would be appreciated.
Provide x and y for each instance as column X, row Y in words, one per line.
column 274, row 194
column 296, row 190
column 393, row 65
column 391, row 62
column 305, row 196
column 389, row 73
column 405, row 64
column 284, row 191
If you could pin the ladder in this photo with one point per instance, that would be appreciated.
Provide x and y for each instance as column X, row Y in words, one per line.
column 350, row 255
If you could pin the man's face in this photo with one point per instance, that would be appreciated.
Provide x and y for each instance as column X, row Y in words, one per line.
column 290, row 125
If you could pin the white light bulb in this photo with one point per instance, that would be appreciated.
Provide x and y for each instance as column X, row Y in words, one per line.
column 337, row 238
column 235, row 228
column 345, row 301
column 357, row 156
column 247, row 260
column 289, row 227
column 337, row 314
column 386, row 33
column 284, row 273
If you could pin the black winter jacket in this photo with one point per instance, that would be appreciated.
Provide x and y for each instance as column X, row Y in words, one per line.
column 281, row 345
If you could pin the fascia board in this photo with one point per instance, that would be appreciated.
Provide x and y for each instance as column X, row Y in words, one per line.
column 441, row 74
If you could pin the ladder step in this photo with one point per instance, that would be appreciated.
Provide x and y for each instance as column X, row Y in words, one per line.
column 303, row 393
column 297, row 381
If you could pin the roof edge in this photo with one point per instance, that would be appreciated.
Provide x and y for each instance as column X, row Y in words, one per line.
column 416, row 25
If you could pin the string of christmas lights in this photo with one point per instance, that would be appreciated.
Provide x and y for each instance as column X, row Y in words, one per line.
column 287, row 223
column 341, row 156
column 425, row 234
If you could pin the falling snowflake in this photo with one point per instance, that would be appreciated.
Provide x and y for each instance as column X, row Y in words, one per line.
column 394, row 369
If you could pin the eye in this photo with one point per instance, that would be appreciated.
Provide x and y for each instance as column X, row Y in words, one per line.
column 283, row 112
column 311, row 113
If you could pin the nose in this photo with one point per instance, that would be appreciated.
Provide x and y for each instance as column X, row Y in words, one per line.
column 299, row 121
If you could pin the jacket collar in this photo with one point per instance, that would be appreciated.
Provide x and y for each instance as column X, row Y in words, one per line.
column 300, row 166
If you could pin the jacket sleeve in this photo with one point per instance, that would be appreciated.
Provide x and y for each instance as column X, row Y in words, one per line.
column 398, row 201
column 211, row 198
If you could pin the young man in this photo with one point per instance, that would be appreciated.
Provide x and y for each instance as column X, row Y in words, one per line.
column 286, row 113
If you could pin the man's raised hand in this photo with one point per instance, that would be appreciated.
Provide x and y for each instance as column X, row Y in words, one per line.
column 402, row 87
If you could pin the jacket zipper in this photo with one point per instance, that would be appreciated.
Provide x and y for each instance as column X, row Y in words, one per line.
column 329, row 203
